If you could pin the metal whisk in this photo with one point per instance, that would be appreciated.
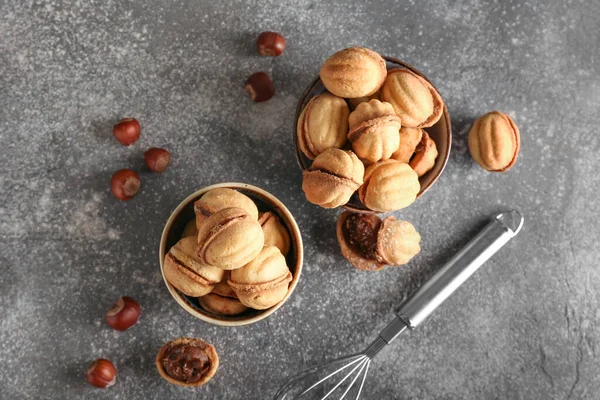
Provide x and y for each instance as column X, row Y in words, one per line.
column 411, row 313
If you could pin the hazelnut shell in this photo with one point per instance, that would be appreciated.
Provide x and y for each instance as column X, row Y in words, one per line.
column 389, row 185
column 322, row 125
column 425, row 155
column 207, row 348
column 353, row 72
column 374, row 131
column 415, row 100
column 184, row 270
column 229, row 239
column 409, row 140
column 332, row 178
column 275, row 233
column 264, row 281
column 494, row 141
column 350, row 253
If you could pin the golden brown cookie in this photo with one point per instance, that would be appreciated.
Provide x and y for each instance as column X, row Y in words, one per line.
column 353, row 103
column 264, row 281
column 332, row 178
column 374, row 131
column 389, row 185
column 275, row 233
column 229, row 238
column 222, row 300
column 415, row 100
column 425, row 155
column 190, row 229
column 187, row 362
column 322, row 125
column 494, row 141
column 409, row 140
column 184, row 270
column 217, row 199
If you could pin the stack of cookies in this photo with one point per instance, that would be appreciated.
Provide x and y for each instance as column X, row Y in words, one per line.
column 366, row 133
column 230, row 256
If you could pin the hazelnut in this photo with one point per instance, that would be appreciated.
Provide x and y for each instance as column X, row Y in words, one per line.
column 270, row 44
column 217, row 199
column 415, row 100
column 124, row 184
column 369, row 243
column 157, row 159
column 260, row 87
column 275, row 233
column 425, row 155
column 102, row 373
column 353, row 72
column 332, row 178
column 494, row 141
column 186, row 272
column 389, row 185
column 127, row 131
column 353, row 103
column 124, row 314
column 187, row 362
column 229, row 238
column 264, row 281
column 222, row 301
column 374, row 131
column 322, row 125
column 190, row 229
column 409, row 139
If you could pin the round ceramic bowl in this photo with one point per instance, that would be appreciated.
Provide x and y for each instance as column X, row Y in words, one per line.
column 441, row 133
column 265, row 202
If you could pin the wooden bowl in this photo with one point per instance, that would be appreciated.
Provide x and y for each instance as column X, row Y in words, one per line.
column 265, row 202
column 441, row 133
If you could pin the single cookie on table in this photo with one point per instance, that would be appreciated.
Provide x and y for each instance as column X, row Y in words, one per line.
column 332, row 178
column 229, row 239
column 217, row 199
column 370, row 244
column 415, row 100
column 275, row 233
column 322, row 125
column 409, row 140
column 389, row 185
column 494, row 141
column 186, row 272
column 222, row 300
column 425, row 155
column 353, row 72
column 188, row 362
column 190, row 229
column 264, row 281
column 374, row 128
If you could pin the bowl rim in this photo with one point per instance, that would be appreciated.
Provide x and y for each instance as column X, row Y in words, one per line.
column 445, row 116
column 295, row 236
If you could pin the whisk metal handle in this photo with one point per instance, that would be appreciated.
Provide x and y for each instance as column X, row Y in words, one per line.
column 460, row 267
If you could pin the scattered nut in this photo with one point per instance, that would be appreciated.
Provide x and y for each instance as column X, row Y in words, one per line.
column 157, row 159
column 353, row 72
column 374, row 131
column 229, row 239
column 127, row 131
column 389, row 185
column 270, row 44
column 264, row 281
column 124, row 314
column 425, row 155
column 332, row 178
column 322, row 125
column 187, row 362
column 494, row 141
column 186, row 272
column 124, row 184
column 409, row 139
column 415, row 100
column 369, row 243
column 260, row 87
column 102, row 373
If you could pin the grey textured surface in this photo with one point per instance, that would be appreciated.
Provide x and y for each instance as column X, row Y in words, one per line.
column 525, row 327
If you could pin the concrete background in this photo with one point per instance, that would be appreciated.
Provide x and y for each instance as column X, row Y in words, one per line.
column 524, row 327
